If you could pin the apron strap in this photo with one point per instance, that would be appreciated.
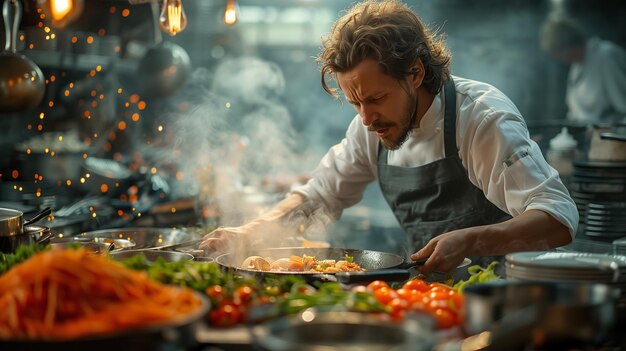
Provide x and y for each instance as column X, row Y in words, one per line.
column 449, row 120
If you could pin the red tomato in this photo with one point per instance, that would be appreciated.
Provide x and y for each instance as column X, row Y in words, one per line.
column 385, row 294
column 398, row 308
column 416, row 284
column 225, row 316
column 409, row 295
column 377, row 284
column 434, row 305
column 455, row 300
column 243, row 295
column 439, row 287
column 445, row 318
column 215, row 293
column 438, row 295
column 417, row 306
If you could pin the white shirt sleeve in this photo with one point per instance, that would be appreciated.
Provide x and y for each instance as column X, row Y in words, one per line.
column 509, row 167
column 343, row 173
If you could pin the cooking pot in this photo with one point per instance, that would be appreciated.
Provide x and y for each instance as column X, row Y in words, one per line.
column 33, row 234
column 12, row 221
column 165, row 67
column 514, row 312
column 21, row 80
column 321, row 331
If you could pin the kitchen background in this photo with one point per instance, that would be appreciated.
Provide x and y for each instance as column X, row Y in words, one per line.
column 115, row 143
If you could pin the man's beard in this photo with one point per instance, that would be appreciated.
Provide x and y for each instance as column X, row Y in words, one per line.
column 396, row 143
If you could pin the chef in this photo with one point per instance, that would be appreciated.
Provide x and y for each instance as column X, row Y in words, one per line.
column 452, row 156
column 596, row 83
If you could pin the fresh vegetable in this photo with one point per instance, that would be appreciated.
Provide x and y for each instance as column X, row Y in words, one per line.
column 24, row 252
column 68, row 294
column 478, row 274
column 439, row 300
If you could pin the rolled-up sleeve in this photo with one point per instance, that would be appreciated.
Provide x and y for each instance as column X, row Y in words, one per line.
column 340, row 178
column 509, row 167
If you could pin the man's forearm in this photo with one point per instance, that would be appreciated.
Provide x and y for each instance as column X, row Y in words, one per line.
column 283, row 208
column 533, row 230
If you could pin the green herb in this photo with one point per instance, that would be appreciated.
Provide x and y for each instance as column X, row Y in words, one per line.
column 349, row 259
column 24, row 252
column 478, row 274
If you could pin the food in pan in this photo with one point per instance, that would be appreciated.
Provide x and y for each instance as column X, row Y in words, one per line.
column 302, row 263
column 67, row 294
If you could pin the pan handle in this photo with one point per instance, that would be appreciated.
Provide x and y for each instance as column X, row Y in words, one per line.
column 369, row 276
column 411, row 264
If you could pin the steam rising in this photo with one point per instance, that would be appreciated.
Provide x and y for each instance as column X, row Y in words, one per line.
column 238, row 143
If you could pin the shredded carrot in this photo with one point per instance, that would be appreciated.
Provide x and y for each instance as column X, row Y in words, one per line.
column 68, row 294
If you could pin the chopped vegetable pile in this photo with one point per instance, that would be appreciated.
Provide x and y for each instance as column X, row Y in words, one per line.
column 478, row 275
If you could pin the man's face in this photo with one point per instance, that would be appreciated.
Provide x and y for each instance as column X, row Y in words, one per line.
column 387, row 107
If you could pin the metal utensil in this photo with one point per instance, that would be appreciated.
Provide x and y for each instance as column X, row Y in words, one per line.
column 165, row 67
column 21, row 81
column 182, row 244
column 39, row 216
column 318, row 330
column 559, row 311
column 152, row 255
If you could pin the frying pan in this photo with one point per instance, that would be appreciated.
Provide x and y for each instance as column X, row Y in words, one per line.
column 378, row 264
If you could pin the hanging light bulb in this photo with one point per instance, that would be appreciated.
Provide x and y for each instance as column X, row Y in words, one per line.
column 230, row 14
column 62, row 12
column 173, row 18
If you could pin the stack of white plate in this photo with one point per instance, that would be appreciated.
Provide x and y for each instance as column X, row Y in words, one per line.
column 606, row 220
column 619, row 246
column 570, row 267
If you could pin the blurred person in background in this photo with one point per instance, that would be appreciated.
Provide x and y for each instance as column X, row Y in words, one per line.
column 453, row 156
column 596, row 83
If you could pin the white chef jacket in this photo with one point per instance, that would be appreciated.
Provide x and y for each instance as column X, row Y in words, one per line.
column 494, row 147
column 596, row 87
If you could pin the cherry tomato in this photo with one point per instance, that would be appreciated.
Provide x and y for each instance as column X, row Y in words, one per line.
column 215, row 293
column 416, row 284
column 439, row 287
column 225, row 316
column 455, row 300
column 398, row 308
column 377, row 284
column 385, row 294
column 243, row 294
column 438, row 295
column 409, row 295
column 445, row 318
column 434, row 305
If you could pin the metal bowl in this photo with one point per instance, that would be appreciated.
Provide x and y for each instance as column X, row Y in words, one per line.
column 321, row 331
column 144, row 238
column 513, row 311
column 152, row 255
column 118, row 244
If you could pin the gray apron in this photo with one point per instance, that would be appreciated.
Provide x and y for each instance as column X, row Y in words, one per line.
column 437, row 197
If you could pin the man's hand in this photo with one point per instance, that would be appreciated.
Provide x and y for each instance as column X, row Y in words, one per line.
column 533, row 230
column 446, row 251
column 226, row 239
